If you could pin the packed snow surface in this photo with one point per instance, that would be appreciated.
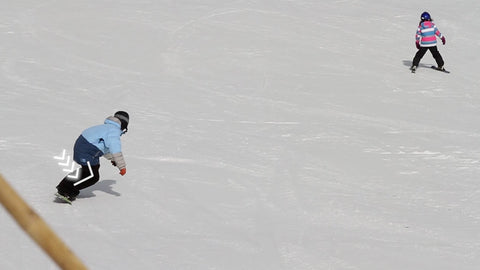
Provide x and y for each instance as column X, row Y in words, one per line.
column 263, row 134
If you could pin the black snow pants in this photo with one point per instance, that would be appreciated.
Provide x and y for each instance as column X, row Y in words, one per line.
column 435, row 53
column 73, row 182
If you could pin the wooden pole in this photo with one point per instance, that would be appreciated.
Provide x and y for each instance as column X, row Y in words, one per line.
column 38, row 230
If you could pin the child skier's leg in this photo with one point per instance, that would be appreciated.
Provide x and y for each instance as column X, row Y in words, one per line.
column 418, row 56
column 436, row 55
column 66, row 186
column 70, row 186
column 87, row 178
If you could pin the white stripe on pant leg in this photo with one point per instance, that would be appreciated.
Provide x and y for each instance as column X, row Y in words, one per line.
column 86, row 178
column 74, row 176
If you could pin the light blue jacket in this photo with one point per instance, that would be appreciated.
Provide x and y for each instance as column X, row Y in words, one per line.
column 100, row 140
column 105, row 137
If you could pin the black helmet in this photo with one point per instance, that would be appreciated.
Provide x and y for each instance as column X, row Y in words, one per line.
column 124, row 118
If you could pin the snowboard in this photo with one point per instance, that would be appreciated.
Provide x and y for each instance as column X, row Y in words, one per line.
column 442, row 70
column 63, row 198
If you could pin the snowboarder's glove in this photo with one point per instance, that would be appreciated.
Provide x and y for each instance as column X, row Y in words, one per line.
column 123, row 171
column 417, row 44
column 114, row 163
column 443, row 40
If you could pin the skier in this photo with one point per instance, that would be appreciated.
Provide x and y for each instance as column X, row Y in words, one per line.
column 426, row 39
column 94, row 142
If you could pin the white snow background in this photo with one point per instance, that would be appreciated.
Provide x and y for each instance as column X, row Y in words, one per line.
column 263, row 135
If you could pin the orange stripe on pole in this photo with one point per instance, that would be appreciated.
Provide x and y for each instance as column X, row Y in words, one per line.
column 38, row 230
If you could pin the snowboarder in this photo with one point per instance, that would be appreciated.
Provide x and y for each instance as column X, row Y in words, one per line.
column 426, row 39
column 94, row 142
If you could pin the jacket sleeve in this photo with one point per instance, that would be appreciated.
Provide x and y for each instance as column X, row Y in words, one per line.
column 119, row 160
column 113, row 144
column 418, row 34
column 437, row 32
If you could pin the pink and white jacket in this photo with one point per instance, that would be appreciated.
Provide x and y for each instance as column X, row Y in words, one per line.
column 427, row 33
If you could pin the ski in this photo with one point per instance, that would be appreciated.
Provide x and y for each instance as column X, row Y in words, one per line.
column 442, row 70
column 63, row 198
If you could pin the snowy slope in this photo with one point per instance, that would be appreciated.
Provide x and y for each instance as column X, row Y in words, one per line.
column 264, row 134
